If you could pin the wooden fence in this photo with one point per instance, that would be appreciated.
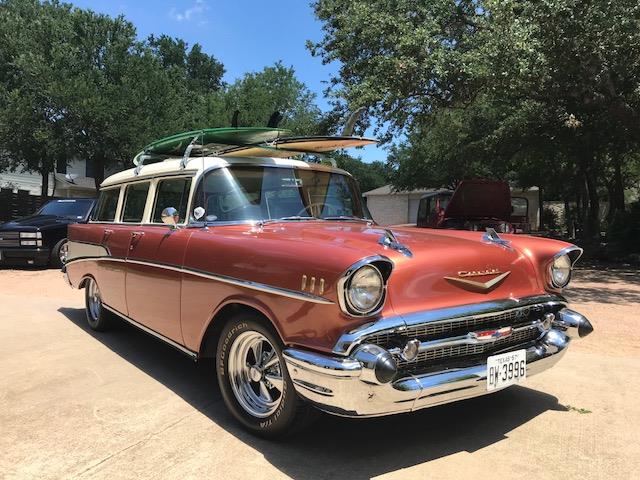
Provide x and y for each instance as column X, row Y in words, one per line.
column 20, row 204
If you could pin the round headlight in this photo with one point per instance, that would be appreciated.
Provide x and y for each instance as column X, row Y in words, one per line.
column 561, row 271
column 365, row 289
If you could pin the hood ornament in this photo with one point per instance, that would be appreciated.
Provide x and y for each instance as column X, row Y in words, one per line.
column 491, row 236
column 462, row 279
column 389, row 240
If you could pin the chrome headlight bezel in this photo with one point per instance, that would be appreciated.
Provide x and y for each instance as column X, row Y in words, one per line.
column 382, row 267
column 565, row 259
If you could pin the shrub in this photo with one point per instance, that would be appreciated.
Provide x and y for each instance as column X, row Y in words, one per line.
column 624, row 231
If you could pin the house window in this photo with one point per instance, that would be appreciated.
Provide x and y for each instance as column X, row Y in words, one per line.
column 61, row 165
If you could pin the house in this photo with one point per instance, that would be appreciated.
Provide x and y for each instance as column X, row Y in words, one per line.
column 74, row 179
column 389, row 206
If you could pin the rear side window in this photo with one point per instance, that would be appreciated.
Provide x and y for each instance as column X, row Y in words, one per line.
column 134, row 201
column 107, row 203
column 172, row 193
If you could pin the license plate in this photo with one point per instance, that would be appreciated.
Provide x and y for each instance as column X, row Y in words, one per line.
column 506, row 369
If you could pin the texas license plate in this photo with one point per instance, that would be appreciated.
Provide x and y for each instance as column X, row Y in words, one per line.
column 506, row 369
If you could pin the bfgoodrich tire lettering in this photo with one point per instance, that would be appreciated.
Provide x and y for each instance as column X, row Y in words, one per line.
column 256, row 387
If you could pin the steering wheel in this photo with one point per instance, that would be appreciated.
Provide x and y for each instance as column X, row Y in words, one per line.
column 309, row 209
column 237, row 210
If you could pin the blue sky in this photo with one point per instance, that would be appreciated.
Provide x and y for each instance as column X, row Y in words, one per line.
column 245, row 35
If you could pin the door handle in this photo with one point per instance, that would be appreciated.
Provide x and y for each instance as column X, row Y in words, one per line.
column 107, row 233
column 135, row 238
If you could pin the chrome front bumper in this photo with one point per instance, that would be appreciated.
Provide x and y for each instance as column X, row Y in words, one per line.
column 348, row 386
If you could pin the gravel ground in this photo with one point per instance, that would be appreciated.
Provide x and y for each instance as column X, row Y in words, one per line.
column 76, row 404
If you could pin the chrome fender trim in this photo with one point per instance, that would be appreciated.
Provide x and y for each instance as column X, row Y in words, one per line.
column 103, row 256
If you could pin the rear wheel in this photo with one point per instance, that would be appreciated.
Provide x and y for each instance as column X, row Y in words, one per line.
column 98, row 317
column 254, row 380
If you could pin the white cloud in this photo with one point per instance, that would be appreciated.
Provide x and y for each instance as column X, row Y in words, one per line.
column 191, row 13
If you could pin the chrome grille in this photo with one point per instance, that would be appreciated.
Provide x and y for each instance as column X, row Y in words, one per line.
column 441, row 328
column 524, row 320
column 9, row 239
column 516, row 338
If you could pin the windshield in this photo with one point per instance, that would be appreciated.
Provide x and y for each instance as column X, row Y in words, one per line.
column 76, row 209
column 271, row 193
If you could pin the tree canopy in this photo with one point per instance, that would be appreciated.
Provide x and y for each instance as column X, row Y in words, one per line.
column 544, row 93
column 75, row 83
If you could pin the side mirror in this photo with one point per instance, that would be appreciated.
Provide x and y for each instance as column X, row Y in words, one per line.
column 170, row 217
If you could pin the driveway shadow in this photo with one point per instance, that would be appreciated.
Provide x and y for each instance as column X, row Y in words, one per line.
column 336, row 447
column 610, row 285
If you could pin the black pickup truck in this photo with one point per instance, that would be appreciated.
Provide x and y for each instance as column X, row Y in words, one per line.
column 40, row 239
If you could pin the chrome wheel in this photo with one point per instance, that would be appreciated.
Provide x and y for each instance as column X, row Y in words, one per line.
column 255, row 374
column 63, row 252
column 94, row 304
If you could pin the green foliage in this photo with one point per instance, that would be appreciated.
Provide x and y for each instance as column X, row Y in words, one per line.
column 624, row 231
column 550, row 219
column 202, row 72
column 77, row 83
column 368, row 175
column 257, row 95
column 545, row 93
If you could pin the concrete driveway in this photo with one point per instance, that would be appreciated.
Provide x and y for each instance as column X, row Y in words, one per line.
column 76, row 404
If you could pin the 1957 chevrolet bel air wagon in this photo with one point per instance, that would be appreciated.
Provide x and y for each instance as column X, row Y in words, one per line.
column 273, row 268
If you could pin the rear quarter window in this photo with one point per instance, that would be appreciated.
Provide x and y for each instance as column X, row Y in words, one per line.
column 105, row 209
column 135, row 200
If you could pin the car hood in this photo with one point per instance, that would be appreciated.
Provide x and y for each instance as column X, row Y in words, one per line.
column 34, row 223
column 426, row 279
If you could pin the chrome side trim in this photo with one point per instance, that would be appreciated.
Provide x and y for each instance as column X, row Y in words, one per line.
column 349, row 340
column 261, row 287
column 176, row 345
column 283, row 292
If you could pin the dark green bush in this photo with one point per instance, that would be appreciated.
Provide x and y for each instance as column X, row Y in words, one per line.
column 623, row 234
column 550, row 219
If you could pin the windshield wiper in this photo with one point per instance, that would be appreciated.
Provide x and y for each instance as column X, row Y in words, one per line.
column 348, row 218
column 293, row 218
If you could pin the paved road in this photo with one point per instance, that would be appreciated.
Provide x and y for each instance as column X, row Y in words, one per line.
column 75, row 404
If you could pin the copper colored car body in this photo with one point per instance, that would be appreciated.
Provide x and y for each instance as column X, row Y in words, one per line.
column 446, row 300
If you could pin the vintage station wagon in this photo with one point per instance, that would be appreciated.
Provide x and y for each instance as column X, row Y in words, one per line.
column 273, row 268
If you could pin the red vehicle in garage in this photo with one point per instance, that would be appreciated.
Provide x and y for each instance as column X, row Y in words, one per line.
column 475, row 205
column 272, row 268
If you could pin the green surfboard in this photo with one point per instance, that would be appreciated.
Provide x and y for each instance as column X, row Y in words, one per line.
column 207, row 141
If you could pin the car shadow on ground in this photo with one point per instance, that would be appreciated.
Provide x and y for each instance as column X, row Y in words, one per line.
column 333, row 446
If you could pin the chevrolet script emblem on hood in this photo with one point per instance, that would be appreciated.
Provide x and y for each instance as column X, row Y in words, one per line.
column 463, row 281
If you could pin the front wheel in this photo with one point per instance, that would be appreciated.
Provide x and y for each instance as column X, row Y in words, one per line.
column 59, row 254
column 98, row 317
column 254, row 380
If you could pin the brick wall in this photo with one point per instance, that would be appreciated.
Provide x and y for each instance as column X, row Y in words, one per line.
column 389, row 209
